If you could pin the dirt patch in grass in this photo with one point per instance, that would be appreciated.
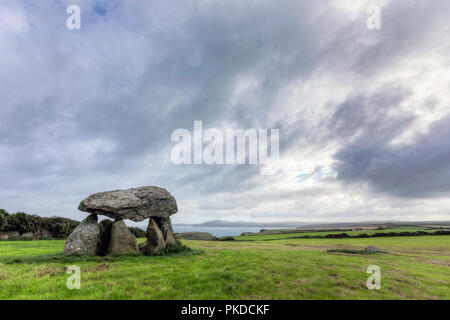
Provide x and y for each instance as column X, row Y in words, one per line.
column 348, row 251
column 312, row 290
column 48, row 271
column 97, row 268
column 350, row 285
column 101, row 267
column 323, row 247
column 435, row 261
column 414, row 252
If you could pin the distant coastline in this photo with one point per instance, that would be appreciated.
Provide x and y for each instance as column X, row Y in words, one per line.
column 297, row 224
column 217, row 231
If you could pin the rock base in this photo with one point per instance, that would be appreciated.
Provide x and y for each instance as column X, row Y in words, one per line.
column 85, row 238
column 159, row 235
column 155, row 239
column 372, row 249
column 136, row 204
column 122, row 240
column 115, row 238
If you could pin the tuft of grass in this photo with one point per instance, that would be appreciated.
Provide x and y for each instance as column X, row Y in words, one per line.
column 62, row 258
column 173, row 248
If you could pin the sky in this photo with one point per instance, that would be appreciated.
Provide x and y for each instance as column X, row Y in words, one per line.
column 363, row 114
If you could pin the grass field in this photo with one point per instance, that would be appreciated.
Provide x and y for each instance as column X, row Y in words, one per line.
column 324, row 233
column 411, row 268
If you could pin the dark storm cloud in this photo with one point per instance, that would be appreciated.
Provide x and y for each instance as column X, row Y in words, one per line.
column 94, row 103
column 134, row 91
column 367, row 128
column 95, row 108
column 409, row 28
column 371, row 118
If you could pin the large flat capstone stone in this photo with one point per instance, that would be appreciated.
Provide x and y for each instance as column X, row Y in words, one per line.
column 136, row 204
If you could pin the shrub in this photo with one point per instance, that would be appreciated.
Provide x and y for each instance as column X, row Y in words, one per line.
column 228, row 238
column 21, row 222
column 178, row 247
column 171, row 248
column 337, row 236
column 3, row 219
column 57, row 227
column 138, row 233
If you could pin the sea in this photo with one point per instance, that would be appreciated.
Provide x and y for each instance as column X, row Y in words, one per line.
column 218, row 231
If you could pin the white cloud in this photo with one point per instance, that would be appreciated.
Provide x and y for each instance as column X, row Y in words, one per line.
column 93, row 110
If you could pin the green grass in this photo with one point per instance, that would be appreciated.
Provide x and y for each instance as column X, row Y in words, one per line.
column 324, row 233
column 411, row 268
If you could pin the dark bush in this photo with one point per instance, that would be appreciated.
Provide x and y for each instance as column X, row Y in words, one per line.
column 19, row 239
column 57, row 227
column 3, row 219
column 337, row 236
column 226, row 239
column 363, row 235
column 18, row 222
column 138, row 233
column 442, row 232
column 21, row 222
column 172, row 248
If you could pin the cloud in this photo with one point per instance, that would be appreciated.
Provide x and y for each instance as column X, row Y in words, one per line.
column 420, row 169
column 93, row 109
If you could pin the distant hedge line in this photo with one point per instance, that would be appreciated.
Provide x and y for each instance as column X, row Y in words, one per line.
column 55, row 227
column 375, row 235
column 363, row 235
column 390, row 234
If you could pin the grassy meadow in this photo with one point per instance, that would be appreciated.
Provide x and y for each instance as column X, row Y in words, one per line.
column 415, row 267
column 324, row 233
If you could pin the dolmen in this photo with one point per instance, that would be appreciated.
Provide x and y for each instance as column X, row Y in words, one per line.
column 137, row 204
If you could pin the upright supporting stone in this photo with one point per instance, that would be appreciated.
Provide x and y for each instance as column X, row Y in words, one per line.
column 170, row 239
column 166, row 228
column 122, row 240
column 155, row 239
column 85, row 238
